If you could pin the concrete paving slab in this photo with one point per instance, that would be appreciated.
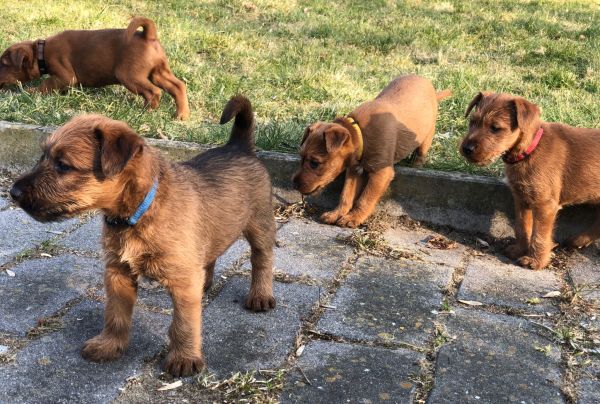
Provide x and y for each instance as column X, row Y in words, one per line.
column 588, row 391
column 491, row 281
column 41, row 287
column 236, row 339
column 387, row 300
column 87, row 237
column 19, row 232
column 231, row 256
column 51, row 370
column 492, row 358
column 352, row 373
column 307, row 248
column 585, row 272
column 4, row 203
column 415, row 241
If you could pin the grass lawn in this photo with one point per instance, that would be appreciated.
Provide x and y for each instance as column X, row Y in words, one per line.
column 299, row 61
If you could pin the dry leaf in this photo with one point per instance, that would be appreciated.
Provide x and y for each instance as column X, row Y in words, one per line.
column 470, row 302
column 441, row 243
column 45, row 255
column 10, row 273
column 554, row 293
column 300, row 350
column 171, row 386
column 482, row 243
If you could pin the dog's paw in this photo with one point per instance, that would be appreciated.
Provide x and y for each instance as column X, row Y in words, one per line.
column 351, row 221
column 330, row 217
column 529, row 262
column 515, row 251
column 102, row 349
column 181, row 366
column 579, row 241
column 256, row 302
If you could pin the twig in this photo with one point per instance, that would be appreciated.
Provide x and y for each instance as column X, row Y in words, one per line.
column 304, row 374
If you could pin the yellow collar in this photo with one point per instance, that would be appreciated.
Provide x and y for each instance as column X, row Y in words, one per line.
column 352, row 122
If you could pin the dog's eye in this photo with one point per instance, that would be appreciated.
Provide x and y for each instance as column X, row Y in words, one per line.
column 495, row 129
column 61, row 167
column 314, row 164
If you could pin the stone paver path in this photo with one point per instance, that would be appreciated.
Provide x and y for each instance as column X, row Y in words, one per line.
column 458, row 324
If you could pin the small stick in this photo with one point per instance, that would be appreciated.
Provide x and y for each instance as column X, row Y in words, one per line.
column 304, row 374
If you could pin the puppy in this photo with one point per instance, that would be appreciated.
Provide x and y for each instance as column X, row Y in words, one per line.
column 165, row 221
column 377, row 134
column 548, row 166
column 95, row 59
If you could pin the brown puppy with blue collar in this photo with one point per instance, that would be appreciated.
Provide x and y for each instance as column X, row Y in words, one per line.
column 165, row 221
column 548, row 166
column 366, row 144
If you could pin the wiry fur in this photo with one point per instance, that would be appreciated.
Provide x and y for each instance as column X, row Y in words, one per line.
column 201, row 207
column 562, row 170
column 97, row 58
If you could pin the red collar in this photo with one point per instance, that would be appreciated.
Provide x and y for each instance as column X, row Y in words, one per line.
column 530, row 149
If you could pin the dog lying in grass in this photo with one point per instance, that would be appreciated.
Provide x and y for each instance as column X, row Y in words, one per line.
column 548, row 166
column 98, row 58
column 366, row 144
column 162, row 220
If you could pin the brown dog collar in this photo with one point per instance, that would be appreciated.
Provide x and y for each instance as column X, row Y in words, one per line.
column 536, row 140
column 352, row 122
column 41, row 43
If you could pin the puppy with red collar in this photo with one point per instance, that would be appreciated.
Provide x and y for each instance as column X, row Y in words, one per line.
column 366, row 144
column 548, row 166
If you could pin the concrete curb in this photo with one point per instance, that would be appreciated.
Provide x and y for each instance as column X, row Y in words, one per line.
column 465, row 202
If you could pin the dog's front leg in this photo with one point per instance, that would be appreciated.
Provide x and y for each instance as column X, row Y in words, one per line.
column 523, row 229
column 540, row 248
column 185, row 349
column 121, row 293
column 350, row 191
column 376, row 185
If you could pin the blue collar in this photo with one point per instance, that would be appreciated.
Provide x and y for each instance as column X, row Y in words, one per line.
column 143, row 208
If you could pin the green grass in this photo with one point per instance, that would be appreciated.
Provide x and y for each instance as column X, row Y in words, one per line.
column 299, row 61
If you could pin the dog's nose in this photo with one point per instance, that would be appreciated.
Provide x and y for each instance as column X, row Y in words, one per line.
column 468, row 148
column 16, row 193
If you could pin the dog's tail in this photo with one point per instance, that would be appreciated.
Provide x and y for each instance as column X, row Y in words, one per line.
column 147, row 24
column 443, row 94
column 242, row 133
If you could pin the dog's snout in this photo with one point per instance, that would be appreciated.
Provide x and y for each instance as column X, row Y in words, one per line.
column 16, row 192
column 296, row 182
column 468, row 148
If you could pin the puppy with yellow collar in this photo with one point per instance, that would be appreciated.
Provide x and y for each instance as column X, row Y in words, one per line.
column 366, row 144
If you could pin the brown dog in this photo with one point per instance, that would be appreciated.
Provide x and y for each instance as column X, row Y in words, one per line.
column 95, row 59
column 548, row 166
column 369, row 140
column 166, row 221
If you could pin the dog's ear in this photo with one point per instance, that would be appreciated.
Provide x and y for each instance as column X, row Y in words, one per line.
column 19, row 56
column 309, row 129
column 118, row 145
column 527, row 115
column 335, row 138
column 475, row 101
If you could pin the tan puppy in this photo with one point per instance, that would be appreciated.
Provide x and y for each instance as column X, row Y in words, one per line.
column 367, row 143
column 95, row 59
column 165, row 221
column 548, row 166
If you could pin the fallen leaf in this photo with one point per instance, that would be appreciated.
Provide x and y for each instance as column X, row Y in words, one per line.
column 534, row 300
column 171, row 386
column 554, row 293
column 300, row 350
column 441, row 243
column 45, row 255
column 482, row 243
column 10, row 273
column 470, row 302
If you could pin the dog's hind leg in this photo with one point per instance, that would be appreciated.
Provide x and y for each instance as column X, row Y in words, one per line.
column 423, row 149
column 588, row 236
column 260, row 233
column 121, row 294
column 165, row 79
column 143, row 87
column 209, row 270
